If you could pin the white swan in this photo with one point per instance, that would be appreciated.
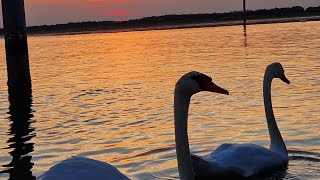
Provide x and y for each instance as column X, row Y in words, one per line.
column 238, row 160
column 80, row 168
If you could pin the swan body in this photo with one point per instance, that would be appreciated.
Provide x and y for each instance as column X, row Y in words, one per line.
column 80, row 168
column 242, row 160
column 235, row 160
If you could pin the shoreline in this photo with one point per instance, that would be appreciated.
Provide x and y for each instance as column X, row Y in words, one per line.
column 182, row 26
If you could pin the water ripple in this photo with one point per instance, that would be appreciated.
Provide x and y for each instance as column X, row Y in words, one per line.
column 110, row 96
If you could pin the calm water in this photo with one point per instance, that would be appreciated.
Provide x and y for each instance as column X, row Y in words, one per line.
column 110, row 97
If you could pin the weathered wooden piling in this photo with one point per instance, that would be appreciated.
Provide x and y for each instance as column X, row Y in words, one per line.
column 19, row 88
column 16, row 45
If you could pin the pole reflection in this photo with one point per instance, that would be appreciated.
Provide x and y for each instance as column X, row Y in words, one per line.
column 245, row 41
column 21, row 133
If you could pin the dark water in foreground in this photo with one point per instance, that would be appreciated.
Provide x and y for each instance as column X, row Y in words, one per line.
column 110, row 97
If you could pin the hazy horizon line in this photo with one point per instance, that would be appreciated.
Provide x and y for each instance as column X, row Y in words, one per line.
column 161, row 16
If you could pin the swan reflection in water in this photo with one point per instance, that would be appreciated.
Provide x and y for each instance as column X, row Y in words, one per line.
column 20, row 132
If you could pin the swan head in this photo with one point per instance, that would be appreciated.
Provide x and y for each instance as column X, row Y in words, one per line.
column 194, row 82
column 278, row 72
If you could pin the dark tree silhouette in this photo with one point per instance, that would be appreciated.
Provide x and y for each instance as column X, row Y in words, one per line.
column 174, row 19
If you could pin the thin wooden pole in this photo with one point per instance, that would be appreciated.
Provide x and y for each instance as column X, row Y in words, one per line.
column 15, row 35
column 244, row 18
column 244, row 14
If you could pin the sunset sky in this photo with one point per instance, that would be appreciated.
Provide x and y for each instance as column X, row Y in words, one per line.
column 40, row 12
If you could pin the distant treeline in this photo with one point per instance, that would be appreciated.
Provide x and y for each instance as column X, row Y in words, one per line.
column 168, row 20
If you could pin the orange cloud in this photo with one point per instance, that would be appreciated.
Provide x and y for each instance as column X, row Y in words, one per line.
column 119, row 1
column 93, row 1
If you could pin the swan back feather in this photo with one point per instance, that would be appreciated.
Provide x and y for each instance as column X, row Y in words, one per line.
column 80, row 168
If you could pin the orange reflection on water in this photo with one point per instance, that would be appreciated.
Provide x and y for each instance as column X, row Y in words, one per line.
column 110, row 96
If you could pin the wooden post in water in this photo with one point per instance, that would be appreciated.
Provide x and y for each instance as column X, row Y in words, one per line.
column 15, row 35
column 244, row 18
column 19, row 87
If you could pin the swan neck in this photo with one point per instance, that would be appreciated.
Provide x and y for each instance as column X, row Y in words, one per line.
column 277, row 144
column 181, row 107
column 267, row 96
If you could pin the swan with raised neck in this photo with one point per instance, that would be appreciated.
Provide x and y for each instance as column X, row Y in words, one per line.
column 188, row 85
column 274, row 70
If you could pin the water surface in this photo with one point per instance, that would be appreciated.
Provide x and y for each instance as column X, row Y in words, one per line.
column 110, row 96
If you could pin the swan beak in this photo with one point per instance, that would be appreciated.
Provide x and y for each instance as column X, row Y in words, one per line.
column 215, row 88
column 285, row 79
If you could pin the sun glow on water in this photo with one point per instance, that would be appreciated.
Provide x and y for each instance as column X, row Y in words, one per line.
column 110, row 96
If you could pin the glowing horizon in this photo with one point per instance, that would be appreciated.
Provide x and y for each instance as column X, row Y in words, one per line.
column 63, row 11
